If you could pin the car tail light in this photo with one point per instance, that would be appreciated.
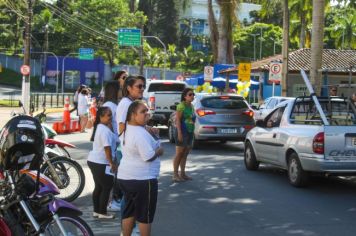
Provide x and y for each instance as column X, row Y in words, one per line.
column 248, row 113
column 248, row 127
column 152, row 103
column 318, row 143
column 203, row 112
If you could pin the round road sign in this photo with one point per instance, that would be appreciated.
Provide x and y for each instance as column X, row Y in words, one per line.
column 25, row 70
column 276, row 68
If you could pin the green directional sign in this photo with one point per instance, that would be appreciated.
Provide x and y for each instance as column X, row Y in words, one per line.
column 129, row 37
column 86, row 54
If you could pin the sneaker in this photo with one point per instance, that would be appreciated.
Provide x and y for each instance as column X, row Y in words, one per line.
column 114, row 206
column 106, row 216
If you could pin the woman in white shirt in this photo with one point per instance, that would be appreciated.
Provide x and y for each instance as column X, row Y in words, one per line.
column 100, row 158
column 83, row 108
column 138, row 170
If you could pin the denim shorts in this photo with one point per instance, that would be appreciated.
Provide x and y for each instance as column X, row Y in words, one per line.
column 187, row 139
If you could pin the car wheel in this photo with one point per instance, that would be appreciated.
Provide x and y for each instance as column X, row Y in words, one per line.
column 297, row 176
column 171, row 134
column 250, row 160
column 195, row 143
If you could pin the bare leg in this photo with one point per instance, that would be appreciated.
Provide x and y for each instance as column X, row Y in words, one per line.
column 176, row 162
column 127, row 226
column 145, row 229
column 83, row 123
column 183, row 164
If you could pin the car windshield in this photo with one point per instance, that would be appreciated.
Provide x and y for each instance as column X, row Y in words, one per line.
column 166, row 87
column 224, row 102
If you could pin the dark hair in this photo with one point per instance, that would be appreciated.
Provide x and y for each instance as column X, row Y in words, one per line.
column 84, row 91
column 130, row 111
column 119, row 74
column 130, row 81
column 81, row 87
column 184, row 93
column 100, row 113
column 111, row 92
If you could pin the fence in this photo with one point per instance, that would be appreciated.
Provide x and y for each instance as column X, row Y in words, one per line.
column 51, row 100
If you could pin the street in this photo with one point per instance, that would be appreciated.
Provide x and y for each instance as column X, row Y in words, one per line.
column 226, row 199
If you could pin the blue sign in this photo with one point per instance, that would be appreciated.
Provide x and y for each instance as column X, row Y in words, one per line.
column 86, row 53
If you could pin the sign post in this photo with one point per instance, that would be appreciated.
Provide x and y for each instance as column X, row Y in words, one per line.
column 86, row 54
column 275, row 74
column 129, row 37
column 208, row 73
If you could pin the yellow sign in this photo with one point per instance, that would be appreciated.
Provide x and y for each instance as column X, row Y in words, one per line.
column 244, row 72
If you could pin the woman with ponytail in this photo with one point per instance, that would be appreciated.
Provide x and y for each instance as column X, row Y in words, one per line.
column 100, row 158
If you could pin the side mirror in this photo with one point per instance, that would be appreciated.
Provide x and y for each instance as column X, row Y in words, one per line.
column 20, row 104
column 254, row 107
column 260, row 123
column 173, row 107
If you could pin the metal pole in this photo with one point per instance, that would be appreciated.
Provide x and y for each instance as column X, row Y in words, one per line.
column 254, row 46
column 165, row 53
column 261, row 44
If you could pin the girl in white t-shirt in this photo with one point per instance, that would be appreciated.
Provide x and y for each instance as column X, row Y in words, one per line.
column 138, row 170
column 100, row 159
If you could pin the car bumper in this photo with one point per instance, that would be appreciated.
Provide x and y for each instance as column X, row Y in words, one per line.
column 160, row 118
column 212, row 133
column 319, row 164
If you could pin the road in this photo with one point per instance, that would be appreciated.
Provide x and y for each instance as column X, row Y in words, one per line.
column 226, row 199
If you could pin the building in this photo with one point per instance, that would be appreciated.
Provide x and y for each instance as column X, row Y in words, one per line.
column 338, row 66
column 197, row 15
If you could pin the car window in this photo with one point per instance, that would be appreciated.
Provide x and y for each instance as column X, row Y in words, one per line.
column 272, row 103
column 224, row 102
column 166, row 87
column 275, row 117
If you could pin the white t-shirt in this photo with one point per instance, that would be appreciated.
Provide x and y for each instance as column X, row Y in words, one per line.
column 83, row 104
column 113, row 108
column 121, row 111
column 103, row 137
column 139, row 147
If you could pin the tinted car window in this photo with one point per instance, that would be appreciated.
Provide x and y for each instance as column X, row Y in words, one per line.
column 166, row 87
column 224, row 103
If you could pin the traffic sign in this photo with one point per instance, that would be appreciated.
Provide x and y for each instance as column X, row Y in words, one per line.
column 129, row 37
column 86, row 53
column 25, row 70
column 275, row 72
column 244, row 73
column 208, row 73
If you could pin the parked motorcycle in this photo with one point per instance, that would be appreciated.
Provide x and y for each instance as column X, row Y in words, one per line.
column 27, row 202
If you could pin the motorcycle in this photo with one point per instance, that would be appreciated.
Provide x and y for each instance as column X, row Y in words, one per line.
column 27, row 204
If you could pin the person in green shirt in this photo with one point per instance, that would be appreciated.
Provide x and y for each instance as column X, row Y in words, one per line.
column 184, row 132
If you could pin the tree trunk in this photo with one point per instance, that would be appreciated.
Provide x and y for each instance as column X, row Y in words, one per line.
column 302, row 31
column 214, row 33
column 285, row 46
column 132, row 6
column 317, row 44
column 222, row 43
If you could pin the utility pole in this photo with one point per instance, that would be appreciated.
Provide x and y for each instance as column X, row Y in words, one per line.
column 141, row 52
column 27, row 58
column 45, row 55
column 285, row 46
column 254, row 46
column 261, row 44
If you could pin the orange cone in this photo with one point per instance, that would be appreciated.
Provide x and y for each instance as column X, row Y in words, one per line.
column 92, row 109
column 66, row 116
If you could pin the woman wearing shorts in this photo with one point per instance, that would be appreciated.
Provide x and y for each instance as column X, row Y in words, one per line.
column 184, row 132
column 138, row 171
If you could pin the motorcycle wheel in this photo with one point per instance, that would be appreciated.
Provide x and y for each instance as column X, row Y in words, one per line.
column 64, row 151
column 73, row 224
column 71, row 175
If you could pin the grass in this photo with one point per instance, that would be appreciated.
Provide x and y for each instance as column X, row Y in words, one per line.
column 9, row 103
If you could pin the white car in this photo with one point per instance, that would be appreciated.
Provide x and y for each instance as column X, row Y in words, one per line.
column 297, row 138
column 268, row 105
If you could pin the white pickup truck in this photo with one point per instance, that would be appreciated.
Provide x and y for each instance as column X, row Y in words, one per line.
column 160, row 96
column 303, row 137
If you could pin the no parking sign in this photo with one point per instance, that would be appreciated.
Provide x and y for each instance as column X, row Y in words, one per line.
column 275, row 72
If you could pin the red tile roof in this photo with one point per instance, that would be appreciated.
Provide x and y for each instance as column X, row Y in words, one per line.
column 334, row 60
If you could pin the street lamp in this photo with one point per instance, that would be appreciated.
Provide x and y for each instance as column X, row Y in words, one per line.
column 254, row 46
column 274, row 45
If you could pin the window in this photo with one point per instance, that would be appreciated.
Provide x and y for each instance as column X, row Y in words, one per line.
column 275, row 117
column 224, row 102
column 166, row 87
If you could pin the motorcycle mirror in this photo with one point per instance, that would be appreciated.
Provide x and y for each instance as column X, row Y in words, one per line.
column 20, row 104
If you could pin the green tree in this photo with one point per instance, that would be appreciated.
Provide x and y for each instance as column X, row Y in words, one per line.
column 167, row 19
column 343, row 28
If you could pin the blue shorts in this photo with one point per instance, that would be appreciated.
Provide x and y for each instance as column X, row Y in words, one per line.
column 187, row 139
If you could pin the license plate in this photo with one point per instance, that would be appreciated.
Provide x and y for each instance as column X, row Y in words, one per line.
column 228, row 130
column 353, row 142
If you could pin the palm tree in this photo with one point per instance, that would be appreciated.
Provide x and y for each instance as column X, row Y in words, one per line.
column 227, row 22
column 301, row 12
column 343, row 29
column 317, row 44
column 214, row 32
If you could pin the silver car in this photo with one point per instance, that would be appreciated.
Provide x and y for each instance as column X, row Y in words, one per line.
column 268, row 105
column 221, row 117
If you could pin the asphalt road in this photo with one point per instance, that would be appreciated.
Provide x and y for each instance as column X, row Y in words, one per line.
column 226, row 199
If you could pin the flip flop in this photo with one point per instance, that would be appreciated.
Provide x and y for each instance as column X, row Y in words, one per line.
column 186, row 177
column 177, row 179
